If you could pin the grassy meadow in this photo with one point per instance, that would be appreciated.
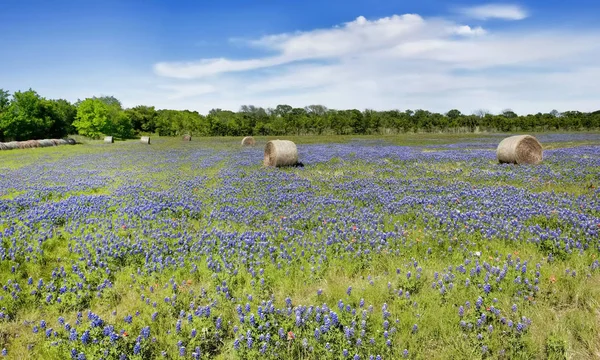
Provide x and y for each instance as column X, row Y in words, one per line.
column 414, row 246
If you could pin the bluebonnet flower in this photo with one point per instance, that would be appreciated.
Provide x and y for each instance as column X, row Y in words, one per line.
column 249, row 340
column 85, row 337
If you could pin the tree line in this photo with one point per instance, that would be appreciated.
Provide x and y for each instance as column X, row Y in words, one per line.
column 26, row 115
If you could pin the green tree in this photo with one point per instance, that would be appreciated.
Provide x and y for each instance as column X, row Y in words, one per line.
column 27, row 116
column 65, row 116
column 143, row 118
column 92, row 119
column 4, row 100
column 97, row 117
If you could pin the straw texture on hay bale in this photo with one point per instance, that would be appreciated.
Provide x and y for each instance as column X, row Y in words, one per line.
column 30, row 144
column 46, row 143
column 520, row 149
column 109, row 139
column 187, row 137
column 280, row 153
column 248, row 141
column 11, row 145
column 145, row 139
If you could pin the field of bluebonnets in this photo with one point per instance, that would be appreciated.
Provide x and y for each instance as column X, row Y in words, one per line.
column 417, row 246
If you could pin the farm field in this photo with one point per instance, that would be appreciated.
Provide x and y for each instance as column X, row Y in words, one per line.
column 410, row 246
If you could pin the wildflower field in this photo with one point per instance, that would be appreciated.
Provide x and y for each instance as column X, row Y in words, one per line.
column 414, row 246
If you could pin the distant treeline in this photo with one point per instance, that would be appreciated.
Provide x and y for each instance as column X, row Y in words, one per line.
column 27, row 115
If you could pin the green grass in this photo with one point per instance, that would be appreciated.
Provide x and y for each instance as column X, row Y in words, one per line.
column 565, row 313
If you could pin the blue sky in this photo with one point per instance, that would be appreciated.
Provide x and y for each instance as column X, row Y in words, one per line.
column 529, row 56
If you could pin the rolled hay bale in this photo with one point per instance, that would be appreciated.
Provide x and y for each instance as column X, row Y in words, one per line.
column 187, row 137
column 61, row 142
column 520, row 149
column 46, row 143
column 3, row 147
column 71, row 141
column 12, row 145
column 248, row 141
column 109, row 140
column 145, row 139
column 280, row 153
column 30, row 144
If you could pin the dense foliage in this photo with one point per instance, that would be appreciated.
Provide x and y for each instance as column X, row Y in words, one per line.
column 26, row 115
column 29, row 116
column 189, row 250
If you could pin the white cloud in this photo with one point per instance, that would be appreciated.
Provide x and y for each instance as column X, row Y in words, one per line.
column 207, row 67
column 398, row 62
column 496, row 11
column 360, row 35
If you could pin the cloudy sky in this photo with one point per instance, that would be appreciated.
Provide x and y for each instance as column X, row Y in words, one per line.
column 528, row 56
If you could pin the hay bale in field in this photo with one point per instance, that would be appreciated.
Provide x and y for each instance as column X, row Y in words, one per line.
column 281, row 153
column 187, row 137
column 145, row 139
column 46, row 143
column 109, row 140
column 12, row 145
column 248, row 141
column 29, row 144
column 520, row 149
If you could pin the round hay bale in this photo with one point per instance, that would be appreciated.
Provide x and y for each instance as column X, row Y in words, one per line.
column 3, row 147
column 12, row 145
column 71, row 141
column 280, row 153
column 520, row 149
column 29, row 144
column 109, row 140
column 145, row 140
column 187, row 137
column 248, row 141
column 46, row 143
column 55, row 141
